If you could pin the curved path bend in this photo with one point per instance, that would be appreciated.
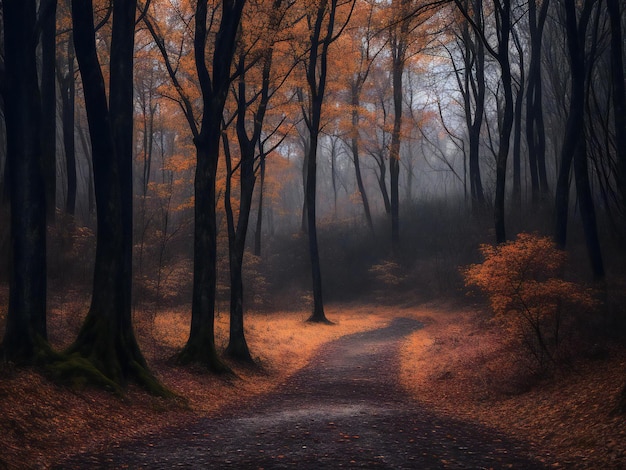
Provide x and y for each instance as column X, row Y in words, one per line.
column 344, row 410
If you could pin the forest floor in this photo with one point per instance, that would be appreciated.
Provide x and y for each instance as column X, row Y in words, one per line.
column 452, row 370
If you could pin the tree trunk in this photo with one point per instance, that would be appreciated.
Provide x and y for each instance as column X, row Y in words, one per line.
column 354, row 146
column 535, row 131
column 316, row 72
column 106, row 342
column 360, row 185
column 259, row 215
column 587, row 210
column 316, row 274
column 48, row 102
column 382, row 183
column 507, row 121
column 26, row 318
column 398, row 52
column 517, row 130
column 619, row 92
column 475, row 125
column 200, row 346
column 237, row 346
column 574, row 130
column 394, row 156
column 68, row 96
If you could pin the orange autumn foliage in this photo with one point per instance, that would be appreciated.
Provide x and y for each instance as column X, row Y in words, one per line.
column 524, row 283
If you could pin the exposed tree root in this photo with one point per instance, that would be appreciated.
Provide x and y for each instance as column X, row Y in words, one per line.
column 238, row 351
column 107, row 359
column 321, row 319
column 196, row 352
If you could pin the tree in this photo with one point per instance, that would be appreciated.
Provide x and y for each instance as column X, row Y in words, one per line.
column 362, row 49
column 26, row 332
column 471, row 82
column 574, row 148
column 47, row 18
column 67, row 85
column 619, row 91
column 399, row 43
column 500, row 52
column 535, row 130
column 252, row 103
column 321, row 24
column 214, row 85
column 106, row 346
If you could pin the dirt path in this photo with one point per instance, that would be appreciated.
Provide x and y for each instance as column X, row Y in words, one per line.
column 343, row 410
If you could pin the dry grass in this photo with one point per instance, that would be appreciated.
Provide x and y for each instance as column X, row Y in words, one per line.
column 460, row 366
column 41, row 422
column 280, row 342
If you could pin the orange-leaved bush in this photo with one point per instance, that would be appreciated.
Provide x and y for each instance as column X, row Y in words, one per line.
column 523, row 280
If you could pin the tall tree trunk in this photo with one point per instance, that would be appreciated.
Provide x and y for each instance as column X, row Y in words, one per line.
column 504, row 14
column 318, row 314
column 517, row 152
column 106, row 340
column 237, row 345
column 200, row 346
column 48, row 102
column 382, row 183
column 259, row 214
column 574, row 130
column 619, row 92
column 316, row 72
column 475, row 125
column 354, row 146
column 26, row 318
column 501, row 161
column 68, row 96
column 398, row 52
column 587, row 210
column 535, row 131
column 517, row 131
column 394, row 151
column 502, row 11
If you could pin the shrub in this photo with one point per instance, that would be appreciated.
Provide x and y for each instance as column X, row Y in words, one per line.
column 523, row 280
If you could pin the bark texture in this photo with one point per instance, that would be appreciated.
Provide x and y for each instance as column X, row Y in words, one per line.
column 26, row 318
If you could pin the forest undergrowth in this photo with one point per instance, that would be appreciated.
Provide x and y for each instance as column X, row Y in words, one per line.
column 461, row 366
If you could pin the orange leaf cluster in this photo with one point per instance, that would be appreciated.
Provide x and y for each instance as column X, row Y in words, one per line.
column 524, row 283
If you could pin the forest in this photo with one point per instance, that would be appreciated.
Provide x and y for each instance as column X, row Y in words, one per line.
column 229, row 229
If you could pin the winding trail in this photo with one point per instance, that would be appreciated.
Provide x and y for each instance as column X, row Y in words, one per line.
column 344, row 410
